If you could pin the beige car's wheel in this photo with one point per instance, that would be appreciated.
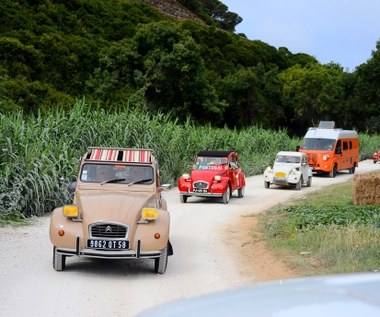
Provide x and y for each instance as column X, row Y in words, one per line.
column 161, row 263
column 59, row 260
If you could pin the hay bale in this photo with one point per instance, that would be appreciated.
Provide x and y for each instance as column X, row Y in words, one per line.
column 366, row 189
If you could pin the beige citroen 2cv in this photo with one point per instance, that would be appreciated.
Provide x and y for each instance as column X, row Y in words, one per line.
column 118, row 211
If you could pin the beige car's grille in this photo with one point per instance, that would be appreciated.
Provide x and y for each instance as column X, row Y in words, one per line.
column 105, row 230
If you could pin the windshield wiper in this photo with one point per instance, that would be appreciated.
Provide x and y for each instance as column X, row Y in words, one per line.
column 114, row 180
column 140, row 181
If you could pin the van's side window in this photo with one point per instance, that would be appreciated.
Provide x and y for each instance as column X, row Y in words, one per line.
column 338, row 148
column 345, row 145
column 350, row 145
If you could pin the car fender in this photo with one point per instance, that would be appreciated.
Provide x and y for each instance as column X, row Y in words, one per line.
column 146, row 233
column 220, row 187
column 293, row 178
column 71, row 229
column 241, row 179
column 268, row 176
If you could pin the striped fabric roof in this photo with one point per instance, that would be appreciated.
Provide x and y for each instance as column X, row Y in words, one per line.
column 119, row 155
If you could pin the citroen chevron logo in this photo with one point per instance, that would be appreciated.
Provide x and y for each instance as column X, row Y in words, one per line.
column 108, row 229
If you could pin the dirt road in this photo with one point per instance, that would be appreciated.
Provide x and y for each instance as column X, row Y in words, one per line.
column 212, row 252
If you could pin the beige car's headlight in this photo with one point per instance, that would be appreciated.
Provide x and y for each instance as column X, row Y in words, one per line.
column 149, row 213
column 70, row 211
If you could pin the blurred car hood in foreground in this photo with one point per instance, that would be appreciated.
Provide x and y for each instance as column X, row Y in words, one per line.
column 332, row 295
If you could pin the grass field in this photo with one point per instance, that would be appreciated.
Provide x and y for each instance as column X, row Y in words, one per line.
column 320, row 235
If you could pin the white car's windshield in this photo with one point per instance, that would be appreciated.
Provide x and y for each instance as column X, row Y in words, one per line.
column 288, row 159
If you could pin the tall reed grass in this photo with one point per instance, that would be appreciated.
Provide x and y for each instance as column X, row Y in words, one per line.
column 40, row 154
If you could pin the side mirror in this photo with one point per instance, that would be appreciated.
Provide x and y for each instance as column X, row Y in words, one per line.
column 298, row 148
column 71, row 187
column 165, row 186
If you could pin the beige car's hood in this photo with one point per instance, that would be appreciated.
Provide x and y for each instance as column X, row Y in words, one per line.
column 113, row 206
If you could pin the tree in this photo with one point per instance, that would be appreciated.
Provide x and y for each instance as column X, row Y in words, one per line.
column 214, row 12
column 367, row 90
column 165, row 63
column 311, row 94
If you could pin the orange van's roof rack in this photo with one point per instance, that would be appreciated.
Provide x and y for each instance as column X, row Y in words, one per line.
column 326, row 124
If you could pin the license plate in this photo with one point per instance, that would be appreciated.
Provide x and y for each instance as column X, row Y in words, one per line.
column 279, row 180
column 108, row 244
column 195, row 190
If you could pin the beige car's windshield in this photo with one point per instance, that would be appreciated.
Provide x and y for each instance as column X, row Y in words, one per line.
column 116, row 173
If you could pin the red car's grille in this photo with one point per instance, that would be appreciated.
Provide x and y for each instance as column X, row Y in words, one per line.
column 200, row 185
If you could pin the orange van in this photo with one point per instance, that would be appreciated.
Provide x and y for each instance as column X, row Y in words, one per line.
column 330, row 150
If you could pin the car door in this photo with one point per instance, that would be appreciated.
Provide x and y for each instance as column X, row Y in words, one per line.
column 304, row 168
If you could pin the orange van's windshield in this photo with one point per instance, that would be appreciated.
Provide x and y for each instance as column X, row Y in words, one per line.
column 318, row 144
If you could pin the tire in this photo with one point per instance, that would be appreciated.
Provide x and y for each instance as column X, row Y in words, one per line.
column 299, row 184
column 59, row 260
column 161, row 263
column 241, row 192
column 352, row 170
column 266, row 184
column 308, row 183
column 226, row 195
column 333, row 173
column 183, row 198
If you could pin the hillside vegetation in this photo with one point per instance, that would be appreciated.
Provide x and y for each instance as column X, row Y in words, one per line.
column 128, row 54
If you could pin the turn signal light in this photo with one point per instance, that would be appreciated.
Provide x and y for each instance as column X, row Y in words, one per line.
column 157, row 235
column 61, row 232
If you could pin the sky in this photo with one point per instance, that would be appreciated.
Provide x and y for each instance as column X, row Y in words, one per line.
column 339, row 31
